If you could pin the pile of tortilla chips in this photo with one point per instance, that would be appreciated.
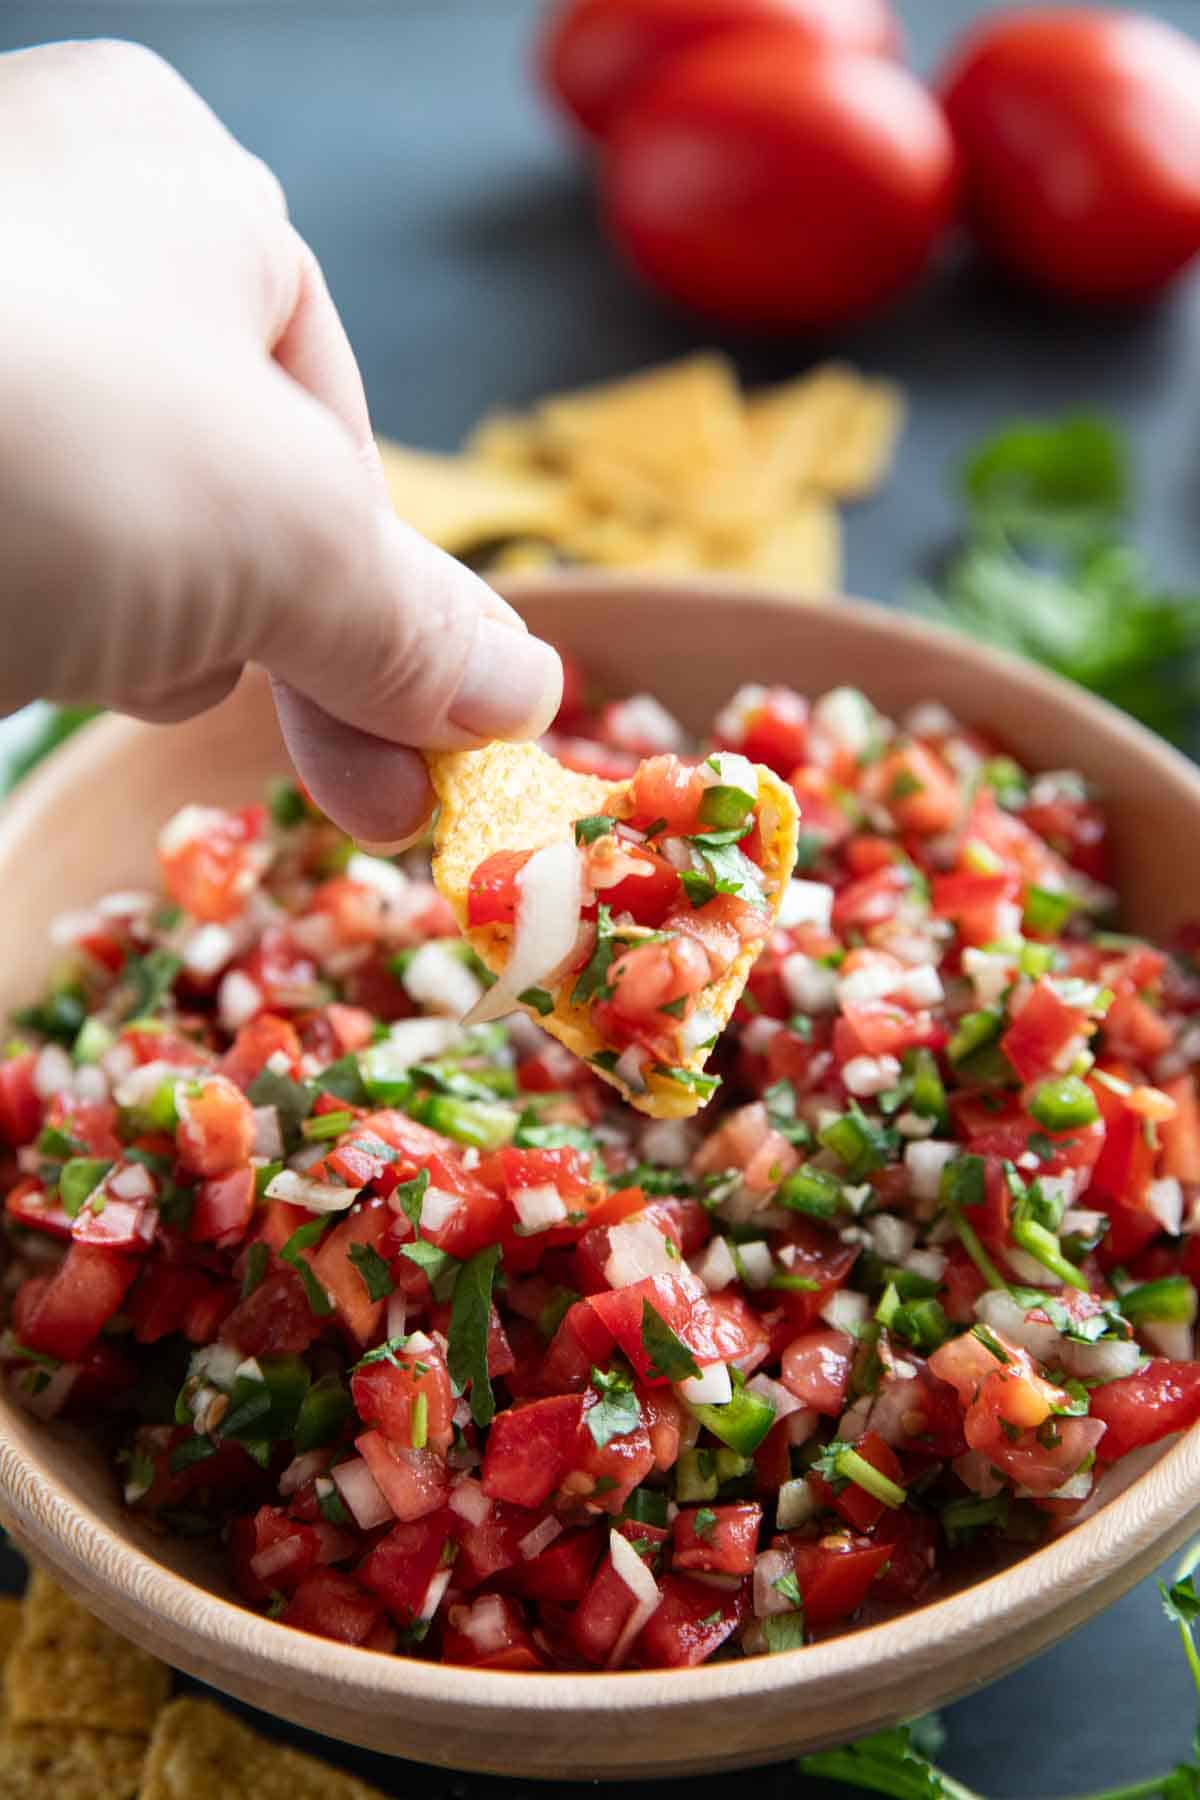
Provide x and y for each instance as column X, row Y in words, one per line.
column 84, row 1715
column 669, row 471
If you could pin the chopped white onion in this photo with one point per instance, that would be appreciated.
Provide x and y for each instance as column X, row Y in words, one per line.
column 49, row 1400
column 1176, row 1339
column 433, row 1593
column 846, row 1311
column 362, row 1494
column 189, row 823
column 865, row 1076
column 668, row 1142
column 848, row 718
column 539, row 1208
column 53, row 1072
column 389, row 882
column 268, row 1134
column 810, row 987
column 712, row 1387
column 807, row 903
column 436, row 979
column 862, row 987
column 484, row 1623
column 238, row 1000
column 929, row 1264
column 628, row 1069
column 539, row 1539
column 794, row 1504
column 977, row 1472
column 1164, row 1198
column 134, row 1182
column 437, row 1208
column 921, row 985
column 997, row 1309
column 301, row 1469
column 731, row 770
column 715, row 1266
column 1107, row 1360
column 412, row 1041
column 549, row 902
column 894, row 1238
column 771, row 1567
column 206, row 950
column 641, row 1584
column 637, row 1249
column 317, row 1196
column 699, row 1029
column 735, row 715
column 397, row 1313
column 645, row 724
column 775, row 1394
column 469, row 1501
column 758, row 1265
column 758, row 1032
column 276, row 1556
column 91, row 1084
column 925, row 1161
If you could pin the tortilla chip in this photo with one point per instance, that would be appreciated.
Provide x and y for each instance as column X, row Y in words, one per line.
column 614, row 543
column 516, row 797
column 800, row 552
column 791, row 426
column 10, row 1625
column 507, row 441
column 68, row 1669
column 460, row 503
column 672, row 422
column 857, row 457
column 523, row 556
column 199, row 1752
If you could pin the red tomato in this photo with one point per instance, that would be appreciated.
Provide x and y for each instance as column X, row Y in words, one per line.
column 341, row 1280
column 861, row 1510
column 20, row 1106
column 76, row 1302
column 835, row 1575
column 413, row 1482
column 768, row 184
column 224, row 1206
column 1079, row 132
column 264, row 1037
column 292, row 1548
column 723, row 1544
column 386, row 1391
column 402, row 1564
column 29, row 1204
column 561, row 1573
column 596, row 55
column 501, row 1627
column 1042, row 1032
column 530, row 1448
column 216, row 1127
column 666, row 788
column 691, row 1621
column 606, row 1608
column 211, row 872
column 774, row 732
column 648, row 897
column 273, row 1319
column 816, row 1368
column 1146, row 1406
column 333, row 1606
column 492, row 894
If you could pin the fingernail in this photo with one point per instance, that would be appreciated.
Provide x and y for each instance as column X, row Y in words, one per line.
column 511, row 687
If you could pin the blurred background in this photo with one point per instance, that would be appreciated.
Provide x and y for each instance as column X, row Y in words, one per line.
column 458, row 222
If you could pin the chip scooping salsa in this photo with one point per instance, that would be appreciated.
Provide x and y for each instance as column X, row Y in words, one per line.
column 452, row 1352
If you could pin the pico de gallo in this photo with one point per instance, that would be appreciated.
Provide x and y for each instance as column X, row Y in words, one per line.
column 631, row 935
column 451, row 1353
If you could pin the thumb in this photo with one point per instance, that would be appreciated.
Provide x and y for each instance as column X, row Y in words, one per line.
column 379, row 644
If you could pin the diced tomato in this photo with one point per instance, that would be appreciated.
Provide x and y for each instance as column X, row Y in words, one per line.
column 354, row 910
column 530, row 1449
column 613, row 1471
column 1009, row 838
column 666, row 788
column 386, row 1391
column 212, row 872
column 646, row 897
column 1122, row 1175
column 774, row 732
column 290, row 1547
column 720, row 1539
column 1075, row 829
column 126, row 1225
column 491, row 1547
column 1180, row 1136
column 28, row 1203
column 490, row 1634
column 582, row 1339
column 20, row 1103
column 77, row 1302
column 913, row 1540
column 835, row 1574
column 822, row 820
column 168, row 1297
column 223, row 1207
column 400, row 1567
column 1042, row 1034
column 216, row 1126
column 564, row 1169
column 691, row 1621
column 1148, row 1405
column 413, row 1482
column 334, row 1606
column 917, row 788
column 342, row 1280
column 598, row 1621
column 983, row 907
column 1134, row 1029
column 816, row 1368
column 645, row 979
column 275, row 1318
column 860, row 1509
column 560, row 1574
column 821, row 1258
column 871, row 900
column 493, row 891
column 679, row 1301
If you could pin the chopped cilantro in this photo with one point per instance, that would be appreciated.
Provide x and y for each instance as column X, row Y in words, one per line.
column 617, row 1412
column 598, row 825
column 470, row 1321
column 376, row 1276
column 667, row 1354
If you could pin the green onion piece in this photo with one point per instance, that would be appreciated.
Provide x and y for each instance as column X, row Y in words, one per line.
column 419, row 1421
column 813, row 1191
column 79, row 1180
column 1040, row 1243
column 725, row 807
column 922, row 1323
column 326, row 1125
column 961, row 1519
column 1169, row 1301
column 927, row 1096
column 974, row 1031
column 860, row 1145
column 873, row 1481
column 1047, row 912
column 468, row 1121
column 385, row 1075
column 1063, row 1102
column 93, row 1040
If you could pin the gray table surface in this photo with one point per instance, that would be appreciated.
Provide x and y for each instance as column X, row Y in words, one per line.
column 458, row 235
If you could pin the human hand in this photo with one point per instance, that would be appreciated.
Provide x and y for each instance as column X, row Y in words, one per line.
column 188, row 479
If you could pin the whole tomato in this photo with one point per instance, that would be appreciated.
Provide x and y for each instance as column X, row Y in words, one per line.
column 1079, row 135
column 769, row 184
column 595, row 55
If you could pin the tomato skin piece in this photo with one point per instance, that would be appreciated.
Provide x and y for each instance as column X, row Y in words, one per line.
column 224, row 1207
column 20, row 1103
column 332, row 1605
column 78, row 1300
column 726, row 1547
column 595, row 56
column 530, row 1448
column 515, row 1651
column 1146, row 1406
column 710, row 185
column 493, row 892
column 834, row 1580
column 1114, row 99
column 413, row 1482
column 816, row 1368
column 216, row 1127
column 646, row 898
column 384, row 1393
column 1041, row 1032
column 561, row 1573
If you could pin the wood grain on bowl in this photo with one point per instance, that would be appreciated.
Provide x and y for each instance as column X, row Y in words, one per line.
column 87, row 823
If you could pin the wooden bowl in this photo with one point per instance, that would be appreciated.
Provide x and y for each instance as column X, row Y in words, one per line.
column 86, row 823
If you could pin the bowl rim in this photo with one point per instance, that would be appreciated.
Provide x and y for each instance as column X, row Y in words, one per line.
column 1151, row 1515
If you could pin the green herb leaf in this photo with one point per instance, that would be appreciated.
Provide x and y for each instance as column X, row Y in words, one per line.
column 292, row 1101
column 440, row 1268
column 303, row 1239
column 784, row 1631
column 376, row 1276
column 257, row 1258
column 667, row 1354
column 538, row 999
column 598, row 825
column 409, row 1195
column 592, row 983
column 343, row 1079
column 617, row 1412
column 690, row 1078
column 148, row 980
column 470, row 1320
